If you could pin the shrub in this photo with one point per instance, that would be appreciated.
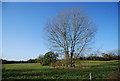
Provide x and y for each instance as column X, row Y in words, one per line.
column 49, row 57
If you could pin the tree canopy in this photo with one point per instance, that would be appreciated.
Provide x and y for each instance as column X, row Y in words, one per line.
column 70, row 32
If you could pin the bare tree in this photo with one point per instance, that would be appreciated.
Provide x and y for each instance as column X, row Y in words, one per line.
column 70, row 32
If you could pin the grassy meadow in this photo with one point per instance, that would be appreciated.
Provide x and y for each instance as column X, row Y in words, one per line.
column 98, row 69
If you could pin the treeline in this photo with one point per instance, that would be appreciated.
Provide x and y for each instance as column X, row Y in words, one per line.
column 99, row 58
column 104, row 57
column 47, row 59
column 10, row 62
column 51, row 57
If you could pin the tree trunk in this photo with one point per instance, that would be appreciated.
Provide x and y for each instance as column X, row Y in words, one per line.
column 71, row 59
column 71, row 63
column 67, row 59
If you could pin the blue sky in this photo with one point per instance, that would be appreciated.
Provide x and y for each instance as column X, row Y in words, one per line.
column 23, row 26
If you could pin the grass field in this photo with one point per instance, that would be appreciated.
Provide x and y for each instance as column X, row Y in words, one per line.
column 99, row 70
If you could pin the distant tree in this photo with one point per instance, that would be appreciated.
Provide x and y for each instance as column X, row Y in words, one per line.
column 70, row 32
column 106, row 55
column 40, row 59
column 49, row 57
column 31, row 61
column 4, row 61
column 113, row 52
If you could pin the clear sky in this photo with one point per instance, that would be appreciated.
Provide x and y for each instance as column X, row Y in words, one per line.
column 23, row 26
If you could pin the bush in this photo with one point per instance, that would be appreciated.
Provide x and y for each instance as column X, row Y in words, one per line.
column 49, row 57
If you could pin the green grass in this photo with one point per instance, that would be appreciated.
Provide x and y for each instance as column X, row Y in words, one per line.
column 99, row 70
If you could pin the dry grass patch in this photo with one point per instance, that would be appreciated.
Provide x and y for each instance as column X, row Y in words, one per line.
column 63, row 67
